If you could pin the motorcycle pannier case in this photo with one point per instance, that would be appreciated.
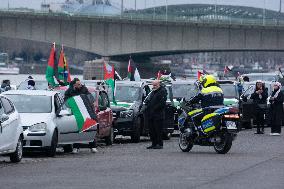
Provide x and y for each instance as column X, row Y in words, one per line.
column 210, row 122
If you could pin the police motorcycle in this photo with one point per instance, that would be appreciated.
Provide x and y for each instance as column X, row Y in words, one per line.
column 217, row 128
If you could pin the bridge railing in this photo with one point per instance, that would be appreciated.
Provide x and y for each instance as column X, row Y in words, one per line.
column 151, row 17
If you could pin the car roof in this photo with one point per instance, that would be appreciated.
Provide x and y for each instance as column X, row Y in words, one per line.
column 183, row 82
column 270, row 73
column 31, row 92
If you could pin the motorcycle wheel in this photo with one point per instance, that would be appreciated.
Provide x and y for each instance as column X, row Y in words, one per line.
column 225, row 144
column 184, row 144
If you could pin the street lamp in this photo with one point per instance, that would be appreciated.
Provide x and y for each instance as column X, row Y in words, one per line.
column 154, row 9
column 166, row 10
column 215, row 9
column 121, row 8
column 263, row 13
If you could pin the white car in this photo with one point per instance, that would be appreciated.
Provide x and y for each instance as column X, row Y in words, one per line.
column 11, row 132
column 45, row 125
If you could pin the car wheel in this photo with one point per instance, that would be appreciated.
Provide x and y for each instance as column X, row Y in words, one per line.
column 51, row 151
column 18, row 154
column 68, row 148
column 110, row 138
column 135, row 137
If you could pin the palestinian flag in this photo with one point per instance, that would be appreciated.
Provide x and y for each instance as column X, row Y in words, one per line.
column 83, row 111
column 109, row 78
column 63, row 70
column 199, row 74
column 130, row 70
column 49, row 74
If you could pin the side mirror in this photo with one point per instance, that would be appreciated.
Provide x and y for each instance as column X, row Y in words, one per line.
column 3, row 118
column 63, row 113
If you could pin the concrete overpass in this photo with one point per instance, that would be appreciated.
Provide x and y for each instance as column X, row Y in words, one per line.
column 115, row 37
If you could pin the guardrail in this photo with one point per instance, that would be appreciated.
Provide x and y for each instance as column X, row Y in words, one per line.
column 157, row 17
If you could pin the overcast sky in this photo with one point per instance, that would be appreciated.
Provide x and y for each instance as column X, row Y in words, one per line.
column 269, row 4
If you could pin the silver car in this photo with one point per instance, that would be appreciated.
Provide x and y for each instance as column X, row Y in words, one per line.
column 11, row 132
column 43, row 126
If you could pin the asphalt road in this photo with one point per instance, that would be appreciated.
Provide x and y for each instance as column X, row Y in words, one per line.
column 255, row 161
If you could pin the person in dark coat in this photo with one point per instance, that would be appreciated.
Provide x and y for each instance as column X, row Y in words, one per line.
column 260, row 102
column 155, row 113
column 75, row 88
column 276, row 109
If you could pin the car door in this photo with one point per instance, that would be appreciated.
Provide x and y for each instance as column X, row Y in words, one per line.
column 107, row 113
column 8, row 130
column 66, row 122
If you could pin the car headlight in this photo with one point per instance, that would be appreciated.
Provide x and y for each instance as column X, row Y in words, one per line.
column 126, row 114
column 39, row 127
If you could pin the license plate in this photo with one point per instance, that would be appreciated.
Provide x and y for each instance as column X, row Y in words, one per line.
column 231, row 125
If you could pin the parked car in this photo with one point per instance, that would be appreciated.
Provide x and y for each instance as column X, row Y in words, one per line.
column 11, row 131
column 182, row 89
column 230, row 91
column 253, row 77
column 47, row 122
column 127, row 118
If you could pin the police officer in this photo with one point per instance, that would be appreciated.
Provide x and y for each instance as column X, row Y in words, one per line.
column 211, row 94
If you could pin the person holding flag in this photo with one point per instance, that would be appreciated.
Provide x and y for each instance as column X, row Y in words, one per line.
column 76, row 89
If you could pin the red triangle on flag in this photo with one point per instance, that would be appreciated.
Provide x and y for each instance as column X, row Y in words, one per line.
column 89, row 123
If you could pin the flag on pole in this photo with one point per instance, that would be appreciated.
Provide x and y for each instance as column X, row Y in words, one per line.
column 63, row 69
column 130, row 70
column 49, row 74
column 137, row 75
column 83, row 111
column 227, row 69
column 109, row 78
column 199, row 74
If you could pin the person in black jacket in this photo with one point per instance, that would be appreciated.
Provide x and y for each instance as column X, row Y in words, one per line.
column 75, row 88
column 260, row 102
column 155, row 114
column 276, row 109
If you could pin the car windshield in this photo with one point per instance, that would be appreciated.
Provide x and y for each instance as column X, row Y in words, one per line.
column 126, row 93
column 31, row 103
column 39, row 85
column 229, row 90
column 184, row 90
